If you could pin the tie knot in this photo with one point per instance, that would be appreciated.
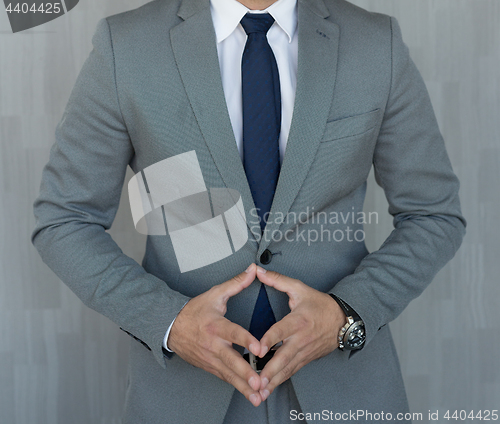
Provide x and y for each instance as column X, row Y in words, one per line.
column 257, row 23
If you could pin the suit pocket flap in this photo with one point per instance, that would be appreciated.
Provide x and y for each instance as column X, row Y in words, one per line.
column 353, row 125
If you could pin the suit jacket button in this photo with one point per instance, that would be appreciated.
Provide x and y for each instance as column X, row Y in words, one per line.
column 266, row 257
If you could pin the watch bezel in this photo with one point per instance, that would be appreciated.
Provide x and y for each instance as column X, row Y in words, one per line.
column 345, row 332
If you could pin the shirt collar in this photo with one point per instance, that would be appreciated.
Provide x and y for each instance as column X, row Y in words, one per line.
column 227, row 14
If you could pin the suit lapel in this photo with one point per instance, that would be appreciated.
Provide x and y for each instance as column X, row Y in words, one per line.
column 317, row 63
column 195, row 50
column 194, row 46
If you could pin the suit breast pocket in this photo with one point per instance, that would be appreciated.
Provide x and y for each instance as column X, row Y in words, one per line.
column 345, row 154
column 352, row 126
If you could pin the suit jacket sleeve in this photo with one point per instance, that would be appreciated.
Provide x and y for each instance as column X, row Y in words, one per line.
column 79, row 197
column 413, row 168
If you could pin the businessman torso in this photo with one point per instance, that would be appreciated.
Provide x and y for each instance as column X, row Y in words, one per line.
column 172, row 100
column 359, row 102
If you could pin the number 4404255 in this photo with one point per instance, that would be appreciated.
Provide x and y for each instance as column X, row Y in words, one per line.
column 26, row 8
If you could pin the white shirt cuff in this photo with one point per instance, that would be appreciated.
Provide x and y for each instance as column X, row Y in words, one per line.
column 165, row 339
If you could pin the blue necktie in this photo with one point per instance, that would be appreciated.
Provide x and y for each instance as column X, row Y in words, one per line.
column 261, row 129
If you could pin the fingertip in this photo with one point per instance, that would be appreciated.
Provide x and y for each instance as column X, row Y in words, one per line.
column 250, row 268
column 255, row 399
column 254, row 383
column 264, row 394
column 247, row 277
column 263, row 351
column 266, row 277
column 250, row 273
column 254, row 348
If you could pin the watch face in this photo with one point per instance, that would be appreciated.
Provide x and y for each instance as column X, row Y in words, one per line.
column 355, row 336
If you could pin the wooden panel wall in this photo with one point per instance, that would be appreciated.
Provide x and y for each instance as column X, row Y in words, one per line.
column 63, row 363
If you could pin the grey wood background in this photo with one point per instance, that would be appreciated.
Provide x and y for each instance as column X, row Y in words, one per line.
column 61, row 362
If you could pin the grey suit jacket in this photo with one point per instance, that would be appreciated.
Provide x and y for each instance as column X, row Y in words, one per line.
column 151, row 89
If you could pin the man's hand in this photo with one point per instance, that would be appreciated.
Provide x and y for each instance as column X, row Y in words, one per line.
column 203, row 337
column 308, row 332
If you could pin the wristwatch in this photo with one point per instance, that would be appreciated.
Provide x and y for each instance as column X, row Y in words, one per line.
column 352, row 335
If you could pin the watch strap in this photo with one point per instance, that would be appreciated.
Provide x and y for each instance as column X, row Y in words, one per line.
column 348, row 311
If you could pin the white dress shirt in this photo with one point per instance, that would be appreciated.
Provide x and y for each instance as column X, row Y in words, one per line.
column 231, row 39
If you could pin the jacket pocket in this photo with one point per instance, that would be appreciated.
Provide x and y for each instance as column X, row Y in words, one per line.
column 351, row 126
